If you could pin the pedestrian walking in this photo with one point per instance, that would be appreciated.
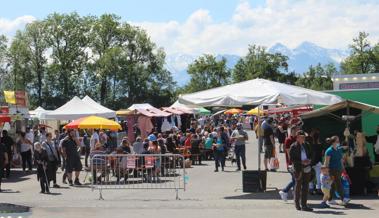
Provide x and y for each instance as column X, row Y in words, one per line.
column 334, row 161
column 41, row 159
column 219, row 149
column 70, row 152
column 239, row 136
column 53, row 159
column 300, row 156
column 9, row 145
column 4, row 161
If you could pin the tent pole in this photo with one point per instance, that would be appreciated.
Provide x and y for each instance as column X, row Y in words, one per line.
column 259, row 131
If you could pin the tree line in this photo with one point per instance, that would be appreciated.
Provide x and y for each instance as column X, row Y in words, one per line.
column 65, row 55
column 117, row 64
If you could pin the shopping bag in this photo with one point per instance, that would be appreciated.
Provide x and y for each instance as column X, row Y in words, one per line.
column 274, row 163
column 16, row 160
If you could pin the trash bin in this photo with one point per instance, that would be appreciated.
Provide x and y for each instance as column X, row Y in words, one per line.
column 254, row 181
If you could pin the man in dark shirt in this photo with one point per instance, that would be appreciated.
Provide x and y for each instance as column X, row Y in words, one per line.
column 8, row 142
column 300, row 156
column 269, row 141
column 70, row 152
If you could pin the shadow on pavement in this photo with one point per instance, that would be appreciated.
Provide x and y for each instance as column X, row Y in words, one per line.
column 17, row 176
column 267, row 195
column 331, row 212
column 8, row 191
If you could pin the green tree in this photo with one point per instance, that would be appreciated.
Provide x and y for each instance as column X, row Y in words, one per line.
column 35, row 35
column 19, row 60
column 67, row 35
column 3, row 61
column 207, row 72
column 375, row 58
column 106, row 49
column 318, row 77
column 360, row 59
column 258, row 63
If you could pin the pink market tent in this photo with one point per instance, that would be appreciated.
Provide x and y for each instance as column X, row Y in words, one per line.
column 148, row 110
column 173, row 111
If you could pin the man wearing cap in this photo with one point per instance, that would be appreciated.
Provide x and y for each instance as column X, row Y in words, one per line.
column 240, row 137
column 300, row 156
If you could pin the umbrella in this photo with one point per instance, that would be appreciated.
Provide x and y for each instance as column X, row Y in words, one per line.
column 93, row 122
column 233, row 111
column 203, row 111
column 255, row 112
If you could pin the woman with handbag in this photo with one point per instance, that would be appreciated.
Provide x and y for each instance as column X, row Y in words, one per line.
column 53, row 159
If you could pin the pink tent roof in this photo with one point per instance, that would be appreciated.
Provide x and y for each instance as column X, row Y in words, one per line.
column 148, row 110
column 172, row 110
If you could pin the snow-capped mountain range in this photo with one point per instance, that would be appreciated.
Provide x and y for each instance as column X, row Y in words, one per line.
column 299, row 59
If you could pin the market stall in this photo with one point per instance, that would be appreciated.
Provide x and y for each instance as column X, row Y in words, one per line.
column 344, row 119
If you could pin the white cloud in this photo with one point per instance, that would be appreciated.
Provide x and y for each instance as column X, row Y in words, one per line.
column 9, row 27
column 331, row 24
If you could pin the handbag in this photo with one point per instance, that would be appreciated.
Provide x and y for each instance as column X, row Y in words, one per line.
column 16, row 160
column 274, row 163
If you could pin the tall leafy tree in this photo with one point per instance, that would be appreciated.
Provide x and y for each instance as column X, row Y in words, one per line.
column 19, row 60
column 35, row 36
column 360, row 60
column 258, row 63
column 318, row 77
column 105, row 45
column 67, row 35
column 3, row 60
column 207, row 72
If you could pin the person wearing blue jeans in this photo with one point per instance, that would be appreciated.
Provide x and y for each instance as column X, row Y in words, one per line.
column 219, row 148
column 240, row 136
column 284, row 192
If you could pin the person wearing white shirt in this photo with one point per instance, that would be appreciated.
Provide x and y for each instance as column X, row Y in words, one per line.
column 94, row 139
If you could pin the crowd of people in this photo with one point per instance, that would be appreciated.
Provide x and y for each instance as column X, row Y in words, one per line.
column 206, row 138
column 315, row 165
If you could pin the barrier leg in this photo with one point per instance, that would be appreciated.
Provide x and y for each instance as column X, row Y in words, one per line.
column 101, row 194
column 177, row 194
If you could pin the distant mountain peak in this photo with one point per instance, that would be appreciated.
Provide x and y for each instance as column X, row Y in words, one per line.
column 299, row 59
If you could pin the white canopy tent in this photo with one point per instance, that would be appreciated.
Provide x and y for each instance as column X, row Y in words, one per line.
column 257, row 92
column 39, row 113
column 107, row 112
column 76, row 108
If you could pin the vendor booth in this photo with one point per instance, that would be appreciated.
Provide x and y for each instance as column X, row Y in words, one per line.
column 344, row 119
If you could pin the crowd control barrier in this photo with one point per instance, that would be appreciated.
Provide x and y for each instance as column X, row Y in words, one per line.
column 138, row 171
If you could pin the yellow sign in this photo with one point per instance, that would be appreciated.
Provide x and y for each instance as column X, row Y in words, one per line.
column 10, row 97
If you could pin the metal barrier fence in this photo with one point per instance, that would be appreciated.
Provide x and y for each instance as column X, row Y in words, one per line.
column 138, row 171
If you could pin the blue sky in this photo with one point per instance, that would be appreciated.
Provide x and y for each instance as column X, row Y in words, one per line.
column 218, row 26
column 135, row 10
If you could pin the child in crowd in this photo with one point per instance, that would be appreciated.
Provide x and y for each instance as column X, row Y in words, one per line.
column 326, row 185
column 41, row 159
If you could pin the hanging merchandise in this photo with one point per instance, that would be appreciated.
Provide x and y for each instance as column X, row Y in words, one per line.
column 179, row 119
column 166, row 126
column 145, row 125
